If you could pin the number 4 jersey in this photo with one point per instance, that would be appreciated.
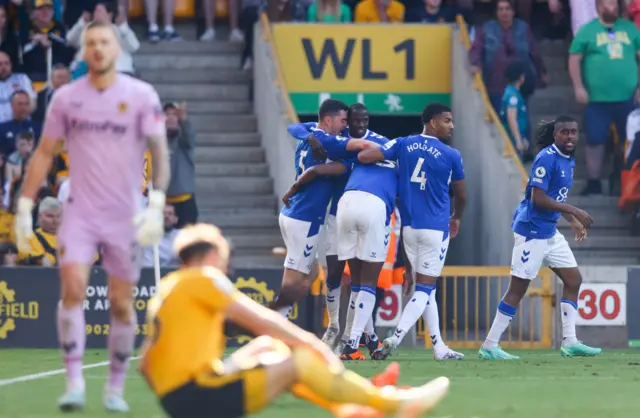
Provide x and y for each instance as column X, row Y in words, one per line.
column 427, row 167
column 552, row 171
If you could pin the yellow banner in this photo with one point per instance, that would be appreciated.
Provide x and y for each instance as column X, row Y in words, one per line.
column 365, row 58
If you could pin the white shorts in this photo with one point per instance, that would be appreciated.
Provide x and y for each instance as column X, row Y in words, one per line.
column 362, row 229
column 331, row 238
column 426, row 250
column 530, row 256
column 301, row 239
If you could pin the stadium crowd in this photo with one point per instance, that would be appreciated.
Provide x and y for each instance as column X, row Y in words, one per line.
column 29, row 30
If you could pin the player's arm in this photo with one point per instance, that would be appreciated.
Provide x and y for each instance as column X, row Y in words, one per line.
column 301, row 131
column 39, row 166
column 330, row 169
column 543, row 201
column 388, row 151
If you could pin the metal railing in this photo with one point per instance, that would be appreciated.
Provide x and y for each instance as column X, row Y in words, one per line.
column 468, row 298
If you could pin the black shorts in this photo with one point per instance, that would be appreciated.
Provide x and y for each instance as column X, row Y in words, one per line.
column 196, row 401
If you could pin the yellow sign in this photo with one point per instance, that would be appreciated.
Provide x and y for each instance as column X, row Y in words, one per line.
column 11, row 309
column 365, row 58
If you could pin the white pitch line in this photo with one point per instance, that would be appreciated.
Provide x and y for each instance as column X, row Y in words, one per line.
column 42, row 375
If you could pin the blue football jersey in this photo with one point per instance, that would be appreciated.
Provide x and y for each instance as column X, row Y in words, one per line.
column 552, row 172
column 310, row 203
column 379, row 179
column 426, row 167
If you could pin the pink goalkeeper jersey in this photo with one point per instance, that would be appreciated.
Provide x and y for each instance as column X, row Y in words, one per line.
column 105, row 134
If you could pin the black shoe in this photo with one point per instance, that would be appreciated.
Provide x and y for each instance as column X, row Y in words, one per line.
column 153, row 36
column 592, row 187
column 171, row 36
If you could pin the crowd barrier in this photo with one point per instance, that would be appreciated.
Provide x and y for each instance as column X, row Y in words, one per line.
column 29, row 297
column 467, row 297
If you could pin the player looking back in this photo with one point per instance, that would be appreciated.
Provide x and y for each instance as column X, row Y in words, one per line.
column 301, row 220
column 538, row 242
column 107, row 119
column 358, row 124
column 427, row 167
column 182, row 356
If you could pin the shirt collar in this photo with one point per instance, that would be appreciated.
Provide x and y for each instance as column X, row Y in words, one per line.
column 560, row 152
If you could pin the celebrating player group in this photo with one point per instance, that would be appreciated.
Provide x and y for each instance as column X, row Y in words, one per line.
column 361, row 175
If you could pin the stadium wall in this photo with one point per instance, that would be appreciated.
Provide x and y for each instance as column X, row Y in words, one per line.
column 494, row 181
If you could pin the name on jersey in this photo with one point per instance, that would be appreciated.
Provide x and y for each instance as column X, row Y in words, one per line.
column 90, row 126
column 424, row 147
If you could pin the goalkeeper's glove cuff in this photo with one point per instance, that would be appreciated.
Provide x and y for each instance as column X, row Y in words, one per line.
column 157, row 199
column 25, row 205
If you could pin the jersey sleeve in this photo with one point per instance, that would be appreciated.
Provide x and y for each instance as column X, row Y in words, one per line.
column 214, row 289
column 510, row 101
column 301, row 131
column 336, row 145
column 55, row 123
column 541, row 172
column 391, row 149
column 457, row 170
column 152, row 116
column 580, row 41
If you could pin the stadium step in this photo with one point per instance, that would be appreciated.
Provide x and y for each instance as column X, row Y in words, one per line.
column 219, row 185
column 225, row 154
column 233, row 187
column 235, row 139
column 240, row 170
column 212, row 92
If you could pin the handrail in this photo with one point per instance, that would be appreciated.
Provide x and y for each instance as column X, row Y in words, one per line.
column 491, row 116
column 279, row 81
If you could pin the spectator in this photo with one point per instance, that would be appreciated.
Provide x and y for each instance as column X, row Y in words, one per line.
column 433, row 11
column 8, row 40
column 6, row 221
column 182, row 141
column 13, row 165
column 379, row 11
column 20, row 122
column 43, row 241
column 105, row 12
column 59, row 76
column 329, row 11
column 169, row 33
column 165, row 247
column 44, row 33
column 8, row 255
column 248, row 18
column 498, row 43
column 604, row 72
column 11, row 82
column 513, row 110
column 209, row 16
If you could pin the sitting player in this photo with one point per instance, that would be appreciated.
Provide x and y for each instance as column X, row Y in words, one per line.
column 283, row 358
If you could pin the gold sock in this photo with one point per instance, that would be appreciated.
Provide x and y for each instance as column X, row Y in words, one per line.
column 303, row 392
column 342, row 386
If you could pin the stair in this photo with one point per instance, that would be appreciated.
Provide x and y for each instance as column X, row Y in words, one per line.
column 609, row 241
column 233, row 187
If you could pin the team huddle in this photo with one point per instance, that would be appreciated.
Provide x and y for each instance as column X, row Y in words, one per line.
column 107, row 120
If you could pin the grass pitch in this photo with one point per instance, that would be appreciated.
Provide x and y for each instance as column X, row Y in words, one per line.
column 541, row 385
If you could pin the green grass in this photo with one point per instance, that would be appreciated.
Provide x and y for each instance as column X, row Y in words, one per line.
column 542, row 385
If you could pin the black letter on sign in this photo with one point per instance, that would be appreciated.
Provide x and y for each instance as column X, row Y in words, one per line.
column 328, row 50
column 367, row 72
column 409, row 46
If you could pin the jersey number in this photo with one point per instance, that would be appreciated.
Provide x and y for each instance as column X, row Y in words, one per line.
column 303, row 154
column 419, row 176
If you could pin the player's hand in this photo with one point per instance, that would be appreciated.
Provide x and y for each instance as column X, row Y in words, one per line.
column 150, row 223
column 454, row 227
column 287, row 196
column 408, row 284
column 520, row 146
column 24, row 224
column 579, row 230
column 582, row 216
column 582, row 96
column 317, row 150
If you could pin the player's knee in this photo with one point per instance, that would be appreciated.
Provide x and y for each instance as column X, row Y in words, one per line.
column 572, row 279
column 121, row 309
column 72, row 291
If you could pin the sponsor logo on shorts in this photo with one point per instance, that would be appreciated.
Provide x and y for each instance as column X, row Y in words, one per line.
column 12, row 310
